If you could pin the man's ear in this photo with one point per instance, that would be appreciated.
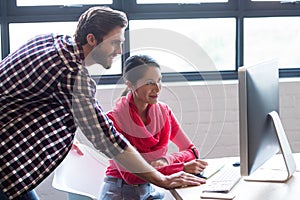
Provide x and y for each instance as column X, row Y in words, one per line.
column 91, row 40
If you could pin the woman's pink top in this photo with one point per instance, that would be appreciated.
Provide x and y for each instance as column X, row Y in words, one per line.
column 150, row 139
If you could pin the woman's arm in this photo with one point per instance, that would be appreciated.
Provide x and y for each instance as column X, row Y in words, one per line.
column 180, row 139
column 188, row 153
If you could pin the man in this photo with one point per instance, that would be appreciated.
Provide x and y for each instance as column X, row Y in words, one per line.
column 46, row 93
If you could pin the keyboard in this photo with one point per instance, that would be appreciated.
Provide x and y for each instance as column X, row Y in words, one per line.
column 224, row 180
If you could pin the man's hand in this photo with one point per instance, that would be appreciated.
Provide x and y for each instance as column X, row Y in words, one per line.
column 180, row 179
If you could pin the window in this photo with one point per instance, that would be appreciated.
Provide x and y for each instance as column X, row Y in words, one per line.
column 30, row 30
column 192, row 44
column 269, row 37
column 186, row 37
column 60, row 2
column 178, row 1
column 0, row 46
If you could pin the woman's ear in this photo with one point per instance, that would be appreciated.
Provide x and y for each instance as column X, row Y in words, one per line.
column 129, row 85
column 91, row 40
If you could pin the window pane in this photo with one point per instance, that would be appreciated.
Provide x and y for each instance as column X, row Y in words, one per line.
column 281, row 1
column 60, row 2
column 273, row 37
column 0, row 45
column 30, row 30
column 178, row 1
column 185, row 45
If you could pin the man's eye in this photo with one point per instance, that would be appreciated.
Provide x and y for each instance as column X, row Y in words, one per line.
column 116, row 43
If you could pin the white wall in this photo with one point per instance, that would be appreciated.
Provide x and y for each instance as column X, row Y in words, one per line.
column 208, row 112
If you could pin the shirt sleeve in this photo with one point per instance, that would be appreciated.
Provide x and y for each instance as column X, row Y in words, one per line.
column 90, row 117
column 180, row 139
column 130, row 178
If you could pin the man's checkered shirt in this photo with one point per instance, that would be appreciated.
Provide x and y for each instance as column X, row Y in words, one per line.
column 45, row 94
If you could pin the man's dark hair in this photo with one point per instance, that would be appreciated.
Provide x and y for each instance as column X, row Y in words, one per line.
column 99, row 21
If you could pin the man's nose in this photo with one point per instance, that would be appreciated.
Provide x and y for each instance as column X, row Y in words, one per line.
column 118, row 49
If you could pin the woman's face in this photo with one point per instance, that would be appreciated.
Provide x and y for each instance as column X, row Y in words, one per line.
column 147, row 88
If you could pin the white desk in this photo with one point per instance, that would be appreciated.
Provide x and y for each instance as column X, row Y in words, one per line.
column 246, row 190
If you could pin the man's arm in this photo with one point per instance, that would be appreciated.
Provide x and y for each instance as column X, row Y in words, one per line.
column 134, row 162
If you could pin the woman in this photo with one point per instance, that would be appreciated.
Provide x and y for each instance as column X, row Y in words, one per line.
column 149, row 125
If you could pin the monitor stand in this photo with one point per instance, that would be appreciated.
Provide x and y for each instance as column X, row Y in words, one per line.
column 270, row 174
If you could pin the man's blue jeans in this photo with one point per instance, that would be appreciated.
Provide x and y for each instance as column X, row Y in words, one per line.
column 31, row 195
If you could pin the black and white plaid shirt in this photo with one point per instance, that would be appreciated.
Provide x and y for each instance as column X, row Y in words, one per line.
column 45, row 94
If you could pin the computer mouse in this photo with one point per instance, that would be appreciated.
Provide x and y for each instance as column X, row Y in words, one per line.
column 236, row 164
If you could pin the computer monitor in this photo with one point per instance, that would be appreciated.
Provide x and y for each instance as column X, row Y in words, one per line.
column 261, row 132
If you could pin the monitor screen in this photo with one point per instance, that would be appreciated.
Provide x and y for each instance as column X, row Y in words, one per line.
column 261, row 132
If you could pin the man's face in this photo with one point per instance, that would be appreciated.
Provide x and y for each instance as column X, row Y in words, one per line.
column 109, row 48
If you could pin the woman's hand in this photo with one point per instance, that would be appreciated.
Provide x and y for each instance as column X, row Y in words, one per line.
column 195, row 166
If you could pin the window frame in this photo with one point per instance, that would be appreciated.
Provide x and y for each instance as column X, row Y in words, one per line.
column 238, row 9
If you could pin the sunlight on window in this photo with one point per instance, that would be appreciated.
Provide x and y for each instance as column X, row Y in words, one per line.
column 271, row 37
column 189, row 44
column 60, row 2
column 269, row 0
column 0, row 44
column 30, row 30
column 179, row 1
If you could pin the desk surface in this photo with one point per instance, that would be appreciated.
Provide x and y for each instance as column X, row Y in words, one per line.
column 247, row 190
